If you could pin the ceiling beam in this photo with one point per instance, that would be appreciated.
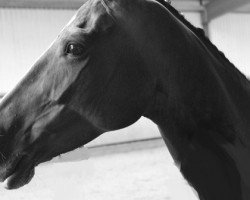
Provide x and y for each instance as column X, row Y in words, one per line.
column 217, row 8
column 182, row 5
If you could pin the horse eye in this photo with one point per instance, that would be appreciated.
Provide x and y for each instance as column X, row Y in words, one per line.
column 75, row 49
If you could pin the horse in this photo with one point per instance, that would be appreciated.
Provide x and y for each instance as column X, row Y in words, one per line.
column 118, row 60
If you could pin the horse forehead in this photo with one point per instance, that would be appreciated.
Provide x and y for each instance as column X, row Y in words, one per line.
column 90, row 10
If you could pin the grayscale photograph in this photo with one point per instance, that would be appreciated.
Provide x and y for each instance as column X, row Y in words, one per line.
column 125, row 99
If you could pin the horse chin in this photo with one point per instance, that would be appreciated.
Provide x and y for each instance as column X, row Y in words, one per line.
column 21, row 175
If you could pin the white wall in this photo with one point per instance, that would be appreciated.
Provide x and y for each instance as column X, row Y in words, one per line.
column 231, row 34
column 194, row 18
column 24, row 36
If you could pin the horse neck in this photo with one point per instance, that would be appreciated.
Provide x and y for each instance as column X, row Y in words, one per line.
column 235, row 85
column 197, row 91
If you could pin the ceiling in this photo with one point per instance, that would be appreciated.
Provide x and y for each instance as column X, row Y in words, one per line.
column 213, row 8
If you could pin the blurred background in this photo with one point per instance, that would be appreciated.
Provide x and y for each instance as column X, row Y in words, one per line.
column 132, row 163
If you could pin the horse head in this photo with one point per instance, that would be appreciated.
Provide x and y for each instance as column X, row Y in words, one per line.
column 92, row 79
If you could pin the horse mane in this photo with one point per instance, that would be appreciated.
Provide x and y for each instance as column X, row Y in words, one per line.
column 200, row 33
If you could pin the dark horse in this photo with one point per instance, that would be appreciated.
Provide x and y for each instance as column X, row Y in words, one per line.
column 118, row 60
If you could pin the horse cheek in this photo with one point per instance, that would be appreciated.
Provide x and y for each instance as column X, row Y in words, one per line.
column 126, row 102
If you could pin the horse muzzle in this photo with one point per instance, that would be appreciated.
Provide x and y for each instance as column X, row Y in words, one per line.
column 17, row 172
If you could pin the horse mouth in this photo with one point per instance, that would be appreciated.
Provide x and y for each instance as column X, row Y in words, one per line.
column 20, row 174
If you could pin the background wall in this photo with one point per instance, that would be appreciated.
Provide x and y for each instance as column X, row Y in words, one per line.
column 24, row 35
column 231, row 33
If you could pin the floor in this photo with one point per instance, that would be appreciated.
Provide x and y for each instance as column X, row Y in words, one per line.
column 147, row 174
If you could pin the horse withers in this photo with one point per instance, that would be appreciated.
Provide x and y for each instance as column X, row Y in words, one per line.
column 118, row 60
